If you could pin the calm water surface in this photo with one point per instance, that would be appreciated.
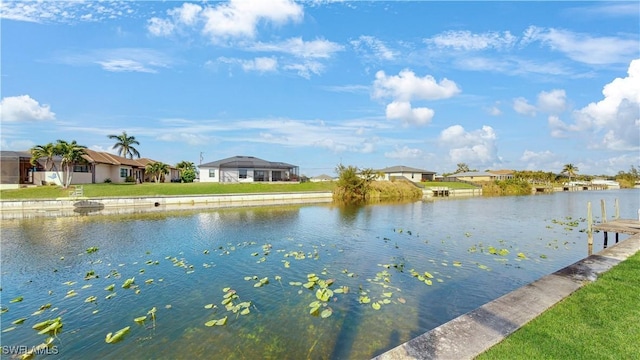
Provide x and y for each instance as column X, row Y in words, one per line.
column 475, row 249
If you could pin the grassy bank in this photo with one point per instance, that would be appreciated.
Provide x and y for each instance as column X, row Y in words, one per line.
column 506, row 187
column 152, row 189
column 397, row 190
column 599, row 321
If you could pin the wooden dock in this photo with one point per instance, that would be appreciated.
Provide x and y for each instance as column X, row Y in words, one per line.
column 618, row 226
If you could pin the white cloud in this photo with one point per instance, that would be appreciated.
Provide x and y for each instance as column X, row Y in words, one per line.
column 404, row 153
column 121, row 60
column 473, row 147
column 522, row 106
column 306, row 69
column 240, row 18
column 260, row 64
column 185, row 137
column 186, row 14
column 406, row 86
column 495, row 111
column 585, row 48
column 618, row 114
column 24, row 108
column 379, row 49
column 532, row 160
column 124, row 65
column 402, row 110
column 466, row 40
column 554, row 101
column 65, row 11
column 315, row 49
column 160, row 27
column 16, row 145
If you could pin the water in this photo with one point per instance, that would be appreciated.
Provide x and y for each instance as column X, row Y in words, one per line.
column 191, row 257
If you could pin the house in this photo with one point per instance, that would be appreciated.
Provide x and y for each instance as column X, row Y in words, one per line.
column 502, row 174
column 247, row 169
column 409, row 173
column 473, row 176
column 99, row 167
column 322, row 178
column 16, row 169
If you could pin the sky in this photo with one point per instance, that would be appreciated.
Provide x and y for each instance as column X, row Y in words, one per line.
column 425, row 84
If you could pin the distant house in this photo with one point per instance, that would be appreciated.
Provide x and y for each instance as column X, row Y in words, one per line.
column 16, row 169
column 502, row 174
column 97, row 167
column 473, row 176
column 242, row 169
column 321, row 178
column 409, row 173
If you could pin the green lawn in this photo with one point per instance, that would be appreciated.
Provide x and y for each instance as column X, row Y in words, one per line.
column 599, row 321
column 152, row 189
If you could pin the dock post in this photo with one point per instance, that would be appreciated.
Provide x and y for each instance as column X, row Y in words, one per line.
column 617, row 207
column 604, row 211
column 606, row 239
column 589, row 228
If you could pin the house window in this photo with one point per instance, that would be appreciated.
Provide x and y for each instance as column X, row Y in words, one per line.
column 242, row 173
column 260, row 175
column 124, row 173
column 81, row 168
column 212, row 173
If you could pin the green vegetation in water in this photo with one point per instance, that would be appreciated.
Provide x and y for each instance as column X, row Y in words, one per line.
column 598, row 321
column 507, row 187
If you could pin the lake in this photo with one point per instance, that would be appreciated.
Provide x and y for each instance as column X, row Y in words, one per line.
column 286, row 282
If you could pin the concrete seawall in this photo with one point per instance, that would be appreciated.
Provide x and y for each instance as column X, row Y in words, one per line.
column 124, row 205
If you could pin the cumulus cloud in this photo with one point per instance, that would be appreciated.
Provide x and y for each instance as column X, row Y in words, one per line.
column 539, row 160
column 402, row 110
column 553, row 102
column 305, row 69
column 405, row 87
column 65, row 11
column 404, row 153
column 522, row 106
column 466, row 40
column 617, row 115
column 475, row 147
column 24, row 108
column 260, row 64
column 236, row 19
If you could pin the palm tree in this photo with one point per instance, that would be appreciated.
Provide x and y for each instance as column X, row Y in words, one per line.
column 185, row 165
column 157, row 170
column 124, row 145
column 462, row 168
column 47, row 152
column 570, row 170
column 71, row 153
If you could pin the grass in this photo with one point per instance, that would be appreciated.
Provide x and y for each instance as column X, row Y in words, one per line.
column 599, row 321
column 153, row 189
column 171, row 189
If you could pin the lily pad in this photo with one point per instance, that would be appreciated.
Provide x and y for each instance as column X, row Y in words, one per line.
column 113, row 338
column 218, row 322
column 140, row 319
column 18, row 299
column 326, row 313
column 375, row 306
column 18, row 321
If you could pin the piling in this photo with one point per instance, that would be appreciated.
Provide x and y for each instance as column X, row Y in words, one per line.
column 589, row 228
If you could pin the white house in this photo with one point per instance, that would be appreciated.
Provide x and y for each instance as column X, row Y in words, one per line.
column 246, row 169
column 321, row 178
column 409, row 173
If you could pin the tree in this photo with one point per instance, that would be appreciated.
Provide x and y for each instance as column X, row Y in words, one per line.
column 353, row 184
column 124, row 145
column 47, row 152
column 462, row 167
column 157, row 170
column 570, row 170
column 71, row 153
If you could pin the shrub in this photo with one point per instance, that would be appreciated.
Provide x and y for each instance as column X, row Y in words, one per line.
column 188, row 175
column 107, row 181
column 129, row 179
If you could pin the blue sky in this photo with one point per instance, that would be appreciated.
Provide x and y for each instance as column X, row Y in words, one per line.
column 496, row 85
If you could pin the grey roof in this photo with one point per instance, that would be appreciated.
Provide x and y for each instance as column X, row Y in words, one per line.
column 473, row 173
column 246, row 162
column 8, row 154
column 323, row 177
column 404, row 169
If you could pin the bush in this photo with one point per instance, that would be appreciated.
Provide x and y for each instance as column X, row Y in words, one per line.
column 188, row 175
column 107, row 181
column 129, row 179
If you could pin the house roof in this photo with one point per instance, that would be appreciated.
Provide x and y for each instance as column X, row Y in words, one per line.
column 404, row 169
column 323, row 177
column 8, row 154
column 502, row 172
column 100, row 157
column 246, row 162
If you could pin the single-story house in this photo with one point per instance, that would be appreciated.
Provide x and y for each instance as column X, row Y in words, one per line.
column 322, row 178
column 409, row 173
column 16, row 169
column 473, row 176
column 241, row 169
column 97, row 167
column 502, row 174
